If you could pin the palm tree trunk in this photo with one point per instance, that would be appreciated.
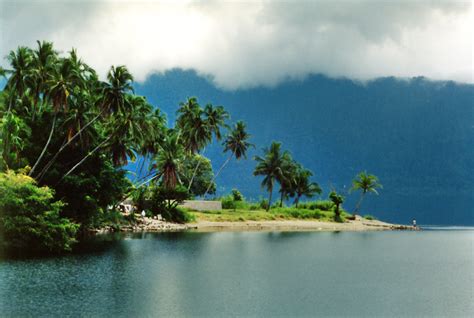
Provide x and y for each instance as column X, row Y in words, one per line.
column 218, row 172
column 145, row 182
column 281, row 198
column 270, row 199
column 50, row 163
column 297, row 200
column 359, row 203
column 194, row 173
column 45, row 147
column 84, row 159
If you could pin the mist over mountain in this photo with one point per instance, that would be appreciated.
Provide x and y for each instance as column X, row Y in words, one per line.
column 416, row 135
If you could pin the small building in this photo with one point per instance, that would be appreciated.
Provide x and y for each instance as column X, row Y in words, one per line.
column 202, row 205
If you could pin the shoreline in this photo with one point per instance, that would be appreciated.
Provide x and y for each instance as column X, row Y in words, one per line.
column 360, row 225
column 298, row 226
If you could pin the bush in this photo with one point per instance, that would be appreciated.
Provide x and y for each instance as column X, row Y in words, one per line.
column 323, row 205
column 178, row 215
column 29, row 219
column 228, row 202
column 369, row 217
column 165, row 202
column 236, row 195
column 263, row 204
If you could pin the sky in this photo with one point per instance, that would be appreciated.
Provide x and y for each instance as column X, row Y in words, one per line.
column 245, row 44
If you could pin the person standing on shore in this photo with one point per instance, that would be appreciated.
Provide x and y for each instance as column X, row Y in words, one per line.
column 414, row 223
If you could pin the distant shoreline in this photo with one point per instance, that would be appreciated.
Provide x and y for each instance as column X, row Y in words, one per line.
column 152, row 225
column 296, row 225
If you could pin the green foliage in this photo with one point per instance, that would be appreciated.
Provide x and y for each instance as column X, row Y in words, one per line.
column 337, row 199
column 165, row 201
column 201, row 167
column 324, row 205
column 30, row 219
column 236, row 195
column 369, row 217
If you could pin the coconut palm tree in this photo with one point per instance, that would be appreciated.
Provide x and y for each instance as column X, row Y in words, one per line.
column 271, row 167
column 237, row 143
column 20, row 72
column 195, row 131
column 287, row 178
column 169, row 160
column 366, row 183
column 106, row 97
column 62, row 84
column 302, row 185
column 125, row 132
column 114, row 91
column 45, row 60
column 216, row 117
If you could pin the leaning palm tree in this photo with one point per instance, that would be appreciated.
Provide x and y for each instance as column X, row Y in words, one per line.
column 237, row 143
column 195, row 131
column 124, row 134
column 365, row 183
column 170, row 160
column 302, row 185
column 64, row 80
column 270, row 166
column 109, row 98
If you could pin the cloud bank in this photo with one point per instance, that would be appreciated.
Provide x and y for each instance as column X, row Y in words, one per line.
column 246, row 44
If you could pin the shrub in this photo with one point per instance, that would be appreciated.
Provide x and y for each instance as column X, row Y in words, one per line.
column 236, row 195
column 228, row 202
column 369, row 217
column 263, row 204
column 165, row 202
column 29, row 219
column 324, row 205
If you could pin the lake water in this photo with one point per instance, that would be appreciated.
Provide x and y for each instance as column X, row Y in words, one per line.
column 428, row 273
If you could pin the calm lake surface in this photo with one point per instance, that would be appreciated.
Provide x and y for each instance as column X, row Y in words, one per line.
column 428, row 273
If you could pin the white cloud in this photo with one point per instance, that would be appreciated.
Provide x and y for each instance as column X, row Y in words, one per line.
column 245, row 44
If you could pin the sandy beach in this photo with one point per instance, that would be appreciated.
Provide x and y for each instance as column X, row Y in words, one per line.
column 296, row 225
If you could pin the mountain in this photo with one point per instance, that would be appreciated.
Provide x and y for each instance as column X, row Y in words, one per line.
column 416, row 135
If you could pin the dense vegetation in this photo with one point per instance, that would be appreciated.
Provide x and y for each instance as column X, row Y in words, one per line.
column 66, row 138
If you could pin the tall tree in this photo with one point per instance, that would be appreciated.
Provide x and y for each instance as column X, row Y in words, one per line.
column 65, row 79
column 303, row 186
column 237, row 143
column 195, row 130
column 365, row 183
column 270, row 167
column 169, row 161
column 287, row 178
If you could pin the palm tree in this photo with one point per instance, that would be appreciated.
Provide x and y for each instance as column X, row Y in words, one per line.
column 62, row 84
column 44, row 62
column 237, row 143
column 114, row 91
column 287, row 179
column 170, row 159
column 109, row 97
column 124, row 134
column 195, row 131
column 302, row 185
column 270, row 166
column 216, row 117
column 366, row 183
column 20, row 62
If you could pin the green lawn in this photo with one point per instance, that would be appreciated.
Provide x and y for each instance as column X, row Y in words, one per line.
column 261, row 215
